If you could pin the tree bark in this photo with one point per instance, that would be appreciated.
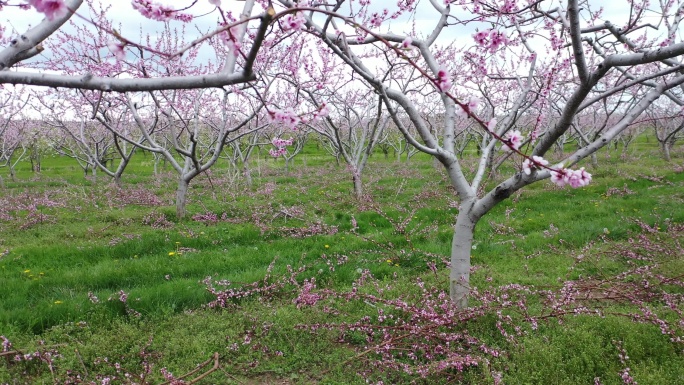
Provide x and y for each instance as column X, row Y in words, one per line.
column 247, row 173
column 665, row 148
column 181, row 198
column 461, row 247
column 358, row 186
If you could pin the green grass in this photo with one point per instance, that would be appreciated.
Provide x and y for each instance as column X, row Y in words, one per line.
column 94, row 241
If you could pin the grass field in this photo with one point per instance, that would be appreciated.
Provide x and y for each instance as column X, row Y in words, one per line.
column 103, row 283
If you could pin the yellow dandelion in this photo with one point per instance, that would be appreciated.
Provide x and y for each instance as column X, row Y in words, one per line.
column 327, row 246
column 389, row 261
column 178, row 243
column 396, row 264
column 58, row 302
column 27, row 271
column 172, row 253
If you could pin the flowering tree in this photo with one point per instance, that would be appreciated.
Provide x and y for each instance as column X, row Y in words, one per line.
column 288, row 148
column 12, row 128
column 509, row 61
column 576, row 55
column 28, row 44
column 241, row 150
column 353, row 129
column 667, row 120
column 94, row 145
column 180, row 117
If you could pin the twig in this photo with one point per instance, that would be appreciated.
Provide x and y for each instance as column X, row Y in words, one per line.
column 80, row 359
column 214, row 368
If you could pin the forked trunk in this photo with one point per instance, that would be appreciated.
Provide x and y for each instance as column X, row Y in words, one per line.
column 461, row 246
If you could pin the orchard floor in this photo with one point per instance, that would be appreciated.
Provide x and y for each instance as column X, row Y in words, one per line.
column 294, row 281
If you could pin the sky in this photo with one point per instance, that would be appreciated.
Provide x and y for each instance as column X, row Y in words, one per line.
column 131, row 22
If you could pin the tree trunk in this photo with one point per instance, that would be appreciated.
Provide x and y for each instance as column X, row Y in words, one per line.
column 461, row 246
column 665, row 148
column 247, row 173
column 594, row 160
column 358, row 186
column 181, row 196
column 2, row 183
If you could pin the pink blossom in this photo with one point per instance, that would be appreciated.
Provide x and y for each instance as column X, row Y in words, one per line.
column 481, row 37
column 51, row 8
column 529, row 165
column 558, row 177
column 117, row 49
column 215, row 2
column 490, row 39
column 492, row 124
column 461, row 112
column 322, row 112
column 496, row 40
column 292, row 21
column 515, row 139
column 578, row 178
column 278, row 142
column 574, row 178
column 376, row 20
column 406, row 44
column 471, row 106
column 280, row 145
column 508, row 7
column 443, row 80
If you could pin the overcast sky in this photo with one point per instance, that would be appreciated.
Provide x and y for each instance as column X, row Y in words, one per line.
column 121, row 12
column 129, row 22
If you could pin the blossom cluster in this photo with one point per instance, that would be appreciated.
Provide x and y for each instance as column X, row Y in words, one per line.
column 561, row 177
column 574, row 178
column 287, row 117
column 377, row 18
column 292, row 21
column 536, row 161
column 321, row 112
column 229, row 39
column 280, row 145
column 155, row 11
column 490, row 39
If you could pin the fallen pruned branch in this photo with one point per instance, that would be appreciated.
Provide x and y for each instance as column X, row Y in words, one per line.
column 199, row 367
